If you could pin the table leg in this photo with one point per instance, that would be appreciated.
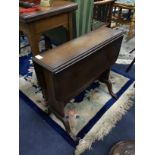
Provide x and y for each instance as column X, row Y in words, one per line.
column 105, row 79
column 47, row 43
column 131, row 64
column 70, row 27
column 59, row 113
column 131, row 27
column 34, row 43
column 41, row 81
column 118, row 21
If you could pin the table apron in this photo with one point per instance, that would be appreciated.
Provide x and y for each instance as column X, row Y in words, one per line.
column 49, row 23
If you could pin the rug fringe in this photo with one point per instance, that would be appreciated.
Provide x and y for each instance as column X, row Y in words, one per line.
column 107, row 122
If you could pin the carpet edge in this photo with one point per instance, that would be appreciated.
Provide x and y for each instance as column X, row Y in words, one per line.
column 110, row 122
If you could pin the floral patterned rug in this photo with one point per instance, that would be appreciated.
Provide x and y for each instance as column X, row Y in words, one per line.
column 88, row 108
column 93, row 113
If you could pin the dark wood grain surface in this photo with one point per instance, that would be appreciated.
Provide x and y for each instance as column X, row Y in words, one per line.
column 67, row 70
column 77, row 49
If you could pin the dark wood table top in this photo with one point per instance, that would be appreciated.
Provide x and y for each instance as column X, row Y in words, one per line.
column 57, row 58
column 57, row 7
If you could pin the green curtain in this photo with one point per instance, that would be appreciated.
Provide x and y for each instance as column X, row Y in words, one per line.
column 83, row 17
